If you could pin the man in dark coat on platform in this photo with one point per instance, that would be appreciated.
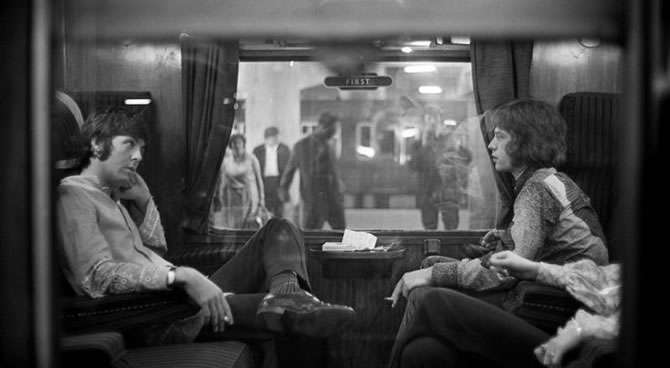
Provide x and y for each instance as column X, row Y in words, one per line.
column 320, row 187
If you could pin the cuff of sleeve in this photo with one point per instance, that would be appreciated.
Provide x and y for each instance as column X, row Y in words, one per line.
column 445, row 274
column 550, row 274
column 162, row 275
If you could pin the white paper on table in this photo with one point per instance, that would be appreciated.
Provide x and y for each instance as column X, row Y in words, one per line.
column 359, row 239
column 352, row 241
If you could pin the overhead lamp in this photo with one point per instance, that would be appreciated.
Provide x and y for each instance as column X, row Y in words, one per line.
column 589, row 42
column 430, row 90
column 137, row 101
column 426, row 68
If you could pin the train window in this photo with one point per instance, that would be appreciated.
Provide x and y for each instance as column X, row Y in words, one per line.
column 364, row 147
column 392, row 155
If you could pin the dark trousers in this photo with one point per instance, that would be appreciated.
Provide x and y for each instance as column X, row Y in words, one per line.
column 325, row 206
column 276, row 247
column 430, row 212
column 417, row 295
column 451, row 329
column 272, row 201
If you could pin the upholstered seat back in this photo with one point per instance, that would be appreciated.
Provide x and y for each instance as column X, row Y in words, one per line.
column 592, row 119
column 66, row 148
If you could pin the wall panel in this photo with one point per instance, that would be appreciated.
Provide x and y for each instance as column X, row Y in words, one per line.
column 563, row 67
column 138, row 66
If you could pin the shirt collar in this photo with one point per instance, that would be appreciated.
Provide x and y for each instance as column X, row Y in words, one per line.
column 95, row 181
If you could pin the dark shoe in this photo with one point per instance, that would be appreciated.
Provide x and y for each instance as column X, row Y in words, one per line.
column 303, row 313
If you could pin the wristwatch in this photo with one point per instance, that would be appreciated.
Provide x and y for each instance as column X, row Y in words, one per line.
column 171, row 277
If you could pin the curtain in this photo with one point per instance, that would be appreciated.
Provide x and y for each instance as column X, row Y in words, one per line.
column 500, row 73
column 209, row 83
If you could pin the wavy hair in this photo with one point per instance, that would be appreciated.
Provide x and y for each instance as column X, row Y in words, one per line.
column 537, row 132
column 237, row 137
column 102, row 126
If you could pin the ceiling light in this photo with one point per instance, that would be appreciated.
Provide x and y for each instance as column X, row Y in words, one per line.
column 137, row 101
column 430, row 90
column 427, row 68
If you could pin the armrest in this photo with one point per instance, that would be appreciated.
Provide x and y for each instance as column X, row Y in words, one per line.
column 119, row 312
column 545, row 307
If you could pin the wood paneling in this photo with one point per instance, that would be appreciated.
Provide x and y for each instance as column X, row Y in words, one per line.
column 137, row 66
column 563, row 67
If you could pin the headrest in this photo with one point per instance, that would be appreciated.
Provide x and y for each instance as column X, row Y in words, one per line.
column 591, row 119
column 66, row 139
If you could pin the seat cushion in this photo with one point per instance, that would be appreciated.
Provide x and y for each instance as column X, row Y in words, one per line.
column 91, row 350
column 218, row 354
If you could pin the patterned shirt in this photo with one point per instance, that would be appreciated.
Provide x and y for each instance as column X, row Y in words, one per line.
column 105, row 250
column 553, row 222
column 598, row 288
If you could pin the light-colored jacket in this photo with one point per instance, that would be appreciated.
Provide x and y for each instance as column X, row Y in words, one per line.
column 104, row 250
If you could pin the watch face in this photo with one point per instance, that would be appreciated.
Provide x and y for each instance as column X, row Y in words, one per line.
column 171, row 275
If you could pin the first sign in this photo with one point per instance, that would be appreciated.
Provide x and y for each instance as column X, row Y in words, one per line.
column 358, row 81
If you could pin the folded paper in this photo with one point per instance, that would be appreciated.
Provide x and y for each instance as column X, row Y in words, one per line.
column 352, row 241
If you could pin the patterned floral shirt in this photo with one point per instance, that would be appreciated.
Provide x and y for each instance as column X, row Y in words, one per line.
column 597, row 287
column 105, row 249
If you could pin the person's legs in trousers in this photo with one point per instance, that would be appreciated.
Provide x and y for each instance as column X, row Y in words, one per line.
column 430, row 352
column 273, row 260
column 471, row 328
column 335, row 210
column 416, row 295
column 315, row 212
column 428, row 215
column 450, row 216
column 272, row 202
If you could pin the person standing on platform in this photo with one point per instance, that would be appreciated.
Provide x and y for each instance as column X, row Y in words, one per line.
column 320, row 186
column 273, row 157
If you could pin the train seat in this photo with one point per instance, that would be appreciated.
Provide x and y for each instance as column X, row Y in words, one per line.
column 592, row 145
column 591, row 163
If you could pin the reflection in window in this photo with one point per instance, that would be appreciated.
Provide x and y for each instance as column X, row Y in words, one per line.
column 394, row 146
column 364, row 147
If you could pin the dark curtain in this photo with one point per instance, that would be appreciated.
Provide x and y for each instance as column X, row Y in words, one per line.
column 500, row 73
column 209, row 83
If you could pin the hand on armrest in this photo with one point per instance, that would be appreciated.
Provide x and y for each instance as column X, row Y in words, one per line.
column 515, row 265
